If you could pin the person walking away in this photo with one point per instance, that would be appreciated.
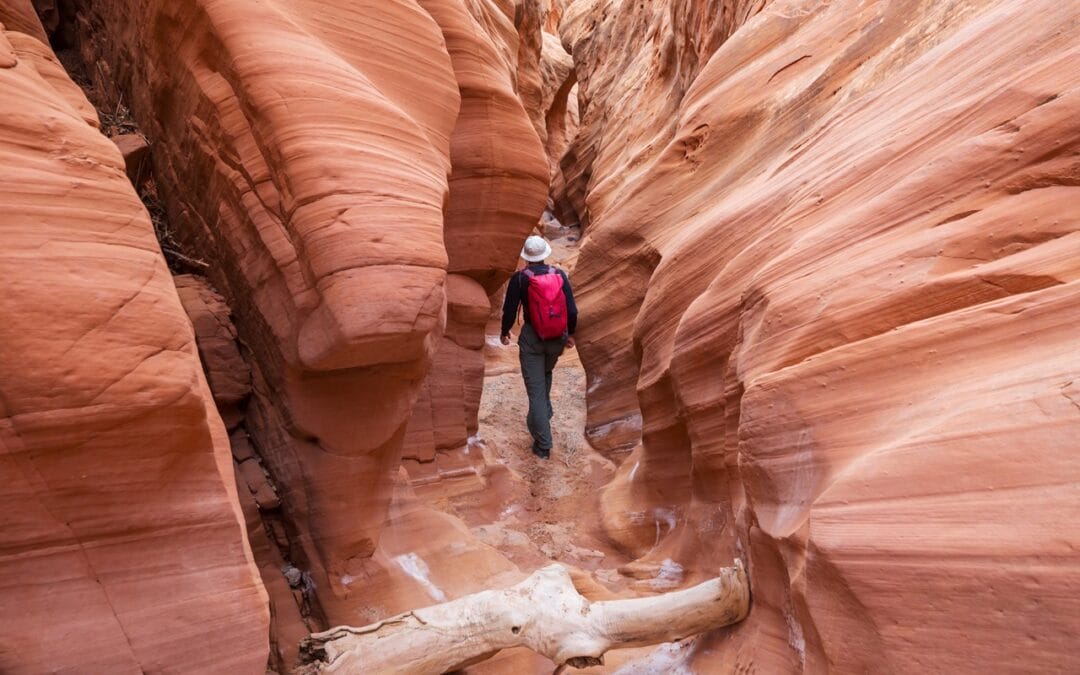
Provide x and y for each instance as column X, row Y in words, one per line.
column 550, row 318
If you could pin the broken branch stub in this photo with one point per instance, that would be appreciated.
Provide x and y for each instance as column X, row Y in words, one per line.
column 544, row 612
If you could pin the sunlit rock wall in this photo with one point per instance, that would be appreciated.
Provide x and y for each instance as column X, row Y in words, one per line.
column 830, row 277
column 122, row 543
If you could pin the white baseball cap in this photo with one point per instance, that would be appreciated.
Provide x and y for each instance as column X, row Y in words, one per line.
column 535, row 249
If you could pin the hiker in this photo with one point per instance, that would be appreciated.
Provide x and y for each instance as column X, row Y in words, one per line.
column 550, row 317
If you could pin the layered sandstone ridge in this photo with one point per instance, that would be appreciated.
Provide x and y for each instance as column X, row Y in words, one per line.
column 333, row 163
column 496, row 191
column 331, row 168
column 122, row 544
column 324, row 177
column 629, row 101
column 831, row 278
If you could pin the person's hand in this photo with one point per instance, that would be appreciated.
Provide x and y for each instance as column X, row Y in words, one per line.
column 570, row 342
column 505, row 339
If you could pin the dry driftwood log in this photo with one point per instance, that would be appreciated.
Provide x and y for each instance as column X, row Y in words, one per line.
column 544, row 612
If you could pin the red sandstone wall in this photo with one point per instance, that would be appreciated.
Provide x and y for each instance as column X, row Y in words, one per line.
column 831, row 281
column 296, row 156
column 335, row 163
column 498, row 185
column 122, row 548
column 630, row 98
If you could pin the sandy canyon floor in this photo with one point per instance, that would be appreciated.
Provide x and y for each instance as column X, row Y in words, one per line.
column 551, row 515
column 549, row 510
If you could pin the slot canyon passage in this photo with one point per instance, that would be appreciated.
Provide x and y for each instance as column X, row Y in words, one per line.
column 827, row 259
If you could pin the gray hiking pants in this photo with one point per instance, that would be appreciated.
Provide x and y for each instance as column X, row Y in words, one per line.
column 538, row 358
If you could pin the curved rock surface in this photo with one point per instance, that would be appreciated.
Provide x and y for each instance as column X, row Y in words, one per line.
column 345, row 157
column 561, row 119
column 318, row 136
column 497, row 189
column 122, row 543
column 831, row 281
column 630, row 101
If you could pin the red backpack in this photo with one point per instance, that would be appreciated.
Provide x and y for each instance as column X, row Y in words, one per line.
column 547, row 303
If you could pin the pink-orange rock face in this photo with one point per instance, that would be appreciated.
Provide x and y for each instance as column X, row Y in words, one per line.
column 837, row 270
column 320, row 143
column 630, row 99
column 122, row 546
column 561, row 118
column 496, row 191
column 333, row 161
column 303, row 149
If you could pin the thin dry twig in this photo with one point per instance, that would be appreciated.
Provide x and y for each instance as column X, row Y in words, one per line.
column 181, row 256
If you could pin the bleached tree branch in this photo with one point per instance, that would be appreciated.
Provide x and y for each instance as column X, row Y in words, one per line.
column 544, row 612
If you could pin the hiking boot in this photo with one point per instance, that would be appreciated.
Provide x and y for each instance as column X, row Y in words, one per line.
column 542, row 453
